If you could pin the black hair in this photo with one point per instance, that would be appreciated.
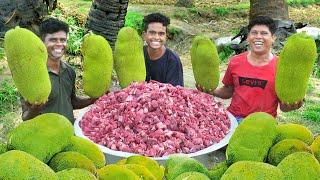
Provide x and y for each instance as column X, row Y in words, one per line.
column 155, row 17
column 52, row 25
column 263, row 20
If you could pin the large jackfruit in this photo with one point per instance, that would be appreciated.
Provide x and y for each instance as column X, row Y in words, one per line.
column 294, row 68
column 75, row 174
column 205, row 62
column 87, row 148
column 178, row 164
column 218, row 170
column 300, row 165
column 140, row 171
column 21, row 165
column 116, row 172
column 42, row 136
column 250, row 170
column 192, row 176
column 97, row 65
column 294, row 131
column 128, row 57
column 71, row 159
column 284, row 148
column 27, row 59
column 315, row 147
column 252, row 139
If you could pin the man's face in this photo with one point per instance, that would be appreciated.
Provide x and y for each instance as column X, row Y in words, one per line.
column 155, row 36
column 56, row 44
column 260, row 39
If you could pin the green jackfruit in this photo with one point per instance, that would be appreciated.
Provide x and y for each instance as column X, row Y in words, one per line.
column 116, row 172
column 149, row 163
column 284, row 148
column 27, row 60
column 97, row 65
column 70, row 159
column 192, row 176
column 205, row 62
column 315, row 146
column 294, row 68
column 121, row 162
column 218, row 170
column 300, row 165
column 42, row 136
column 178, row 164
column 250, row 170
column 128, row 57
column 87, row 148
column 140, row 171
column 75, row 174
column 20, row 165
column 251, row 141
column 294, row 131
column 3, row 148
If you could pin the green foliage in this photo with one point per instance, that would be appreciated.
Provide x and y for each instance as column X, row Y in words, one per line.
column 174, row 32
column 312, row 112
column 1, row 53
column 302, row 2
column 134, row 20
column 221, row 11
column 8, row 97
column 225, row 53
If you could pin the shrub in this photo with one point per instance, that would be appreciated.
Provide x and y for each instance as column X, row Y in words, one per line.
column 134, row 20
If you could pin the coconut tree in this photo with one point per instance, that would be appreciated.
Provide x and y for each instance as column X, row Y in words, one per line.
column 276, row 9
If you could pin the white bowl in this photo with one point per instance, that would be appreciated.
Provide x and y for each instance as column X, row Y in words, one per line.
column 113, row 156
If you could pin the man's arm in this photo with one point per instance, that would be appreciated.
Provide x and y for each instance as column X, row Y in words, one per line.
column 29, row 111
column 79, row 103
column 224, row 92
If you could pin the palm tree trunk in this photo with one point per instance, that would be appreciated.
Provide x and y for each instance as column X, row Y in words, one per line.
column 276, row 9
column 106, row 17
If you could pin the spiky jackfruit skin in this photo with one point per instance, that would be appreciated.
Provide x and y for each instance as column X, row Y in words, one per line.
column 128, row 57
column 140, row 171
column 3, row 148
column 27, row 59
column 97, row 65
column 116, row 172
column 178, row 164
column 87, row 148
column 300, row 165
column 75, row 174
column 250, row 170
column 192, row 176
column 284, row 148
column 21, row 165
column 71, row 159
column 218, row 170
column 294, row 131
column 294, row 68
column 156, row 170
column 315, row 147
column 121, row 162
column 42, row 136
column 205, row 62
column 252, row 139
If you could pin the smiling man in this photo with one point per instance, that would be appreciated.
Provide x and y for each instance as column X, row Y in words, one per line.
column 250, row 76
column 62, row 99
column 162, row 64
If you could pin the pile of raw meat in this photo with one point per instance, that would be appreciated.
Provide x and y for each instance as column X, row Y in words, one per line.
column 156, row 119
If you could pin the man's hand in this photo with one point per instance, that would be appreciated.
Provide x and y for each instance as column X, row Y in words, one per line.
column 202, row 89
column 290, row 107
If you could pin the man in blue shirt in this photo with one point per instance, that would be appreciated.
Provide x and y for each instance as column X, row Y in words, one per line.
column 162, row 64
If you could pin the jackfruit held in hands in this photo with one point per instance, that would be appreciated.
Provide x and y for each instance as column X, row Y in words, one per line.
column 245, row 170
column 116, row 172
column 87, row 148
column 294, row 68
column 71, row 159
column 205, row 62
column 128, row 57
column 315, row 146
column 294, row 131
column 42, row 136
column 75, row 174
column 97, row 65
column 300, row 165
column 251, row 141
column 27, row 59
column 21, row 165
column 284, row 148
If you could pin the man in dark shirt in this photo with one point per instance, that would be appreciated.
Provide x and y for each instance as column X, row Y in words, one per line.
column 62, row 99
column 162, row 64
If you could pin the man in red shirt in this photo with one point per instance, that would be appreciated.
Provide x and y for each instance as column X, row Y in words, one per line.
column 250, row 76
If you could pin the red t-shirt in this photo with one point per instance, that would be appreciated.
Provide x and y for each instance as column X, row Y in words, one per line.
column 254, row 86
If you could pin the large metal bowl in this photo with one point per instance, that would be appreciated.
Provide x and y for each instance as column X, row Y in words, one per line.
column 113, row 156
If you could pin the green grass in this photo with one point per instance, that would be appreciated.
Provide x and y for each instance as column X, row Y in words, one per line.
column 134, row 20
column 302, row 2
column 9, row 97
